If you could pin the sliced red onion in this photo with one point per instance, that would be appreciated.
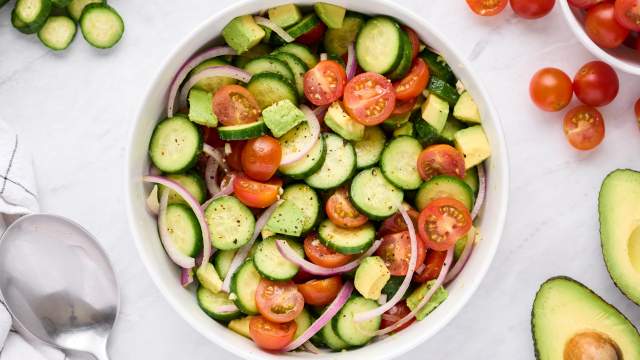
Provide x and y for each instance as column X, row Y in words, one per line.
column 314, row 126
column 195, row 206
column 186, row 277
column 244, row 251
column 211, row 176
column 320, row 111
column 153, row 170
column 186, row 69
column 173, row 252
column 312, row 348
column 288, row 253
column 217, row 155
column 351, row 62
column 323, row 56
column 420, row 269
column 152, row 201
column 432, row 290
column 328, row 314
column 226, row 308
column 364, row 316
column 222, row 70
column 482, row 191
column 227, row 189
column 273, row 26
column 464, row 256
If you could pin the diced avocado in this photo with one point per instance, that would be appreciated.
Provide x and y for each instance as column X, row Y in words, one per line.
column 451, row 128
column 418, row 294
column 331, row 15
column 406, row 129
column 200, row 109
column 282, row 117
column 396, row 121
column 466, row 109
column 242, row 33
column 425, row 133
column 344, row 125
column 619, row 209
column 241, row 326
column 569, row 321
column 303, row 321
column 371, row 276
column 472, row 142
column 208, row 277
column 285, row 15
column 462, row 243
column 212, row 84
column 287, row 219
column 435, row 111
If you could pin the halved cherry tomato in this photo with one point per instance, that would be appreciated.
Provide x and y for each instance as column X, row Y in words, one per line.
column 369, row 98
column 395, row 251
column 342, row 213
column 415, row 40
column 314, row 35
column 234, row 158
column 584, row 4
column 628, row 14
column 551, row 89
column 440, row 159
column 322, row 255
column 395, row 223
column 404, row 106
column 584, row 127
column 532, row 9
column 395, row 314
column 270, row 335
column 636, row 108
column 255, row 194
column 432, row 265
column 487, row 7
column 603, row 28
column 325, row 83
column 234, row 105
column 279, row 301
column 596, row 84
column 413, row 84
column 321, row 292
column 261, row 157
column 443, row 222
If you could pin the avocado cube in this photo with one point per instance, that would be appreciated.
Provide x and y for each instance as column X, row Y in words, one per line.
column 200, row 109
column 466, row 109
column 451, row 128
column 472, row 142
column 371, row 277
column 287, row 219
column 208, row 277
column 241, row 326
column 344, row 125
column 331, row 15
column 418, row 294
column 285, row 15
column 405, row 130
column 435, row 111
column 242, row 33
column 282, row 117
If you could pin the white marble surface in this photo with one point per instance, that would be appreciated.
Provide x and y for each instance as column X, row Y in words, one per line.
column 75, row 110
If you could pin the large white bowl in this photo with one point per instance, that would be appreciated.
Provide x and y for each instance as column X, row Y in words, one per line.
column 165, row 274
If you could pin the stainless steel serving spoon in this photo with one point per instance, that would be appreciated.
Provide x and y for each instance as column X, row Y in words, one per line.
column 58, row 284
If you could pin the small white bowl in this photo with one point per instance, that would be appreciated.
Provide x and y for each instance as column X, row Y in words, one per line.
column 165, row 274
column 622, row 57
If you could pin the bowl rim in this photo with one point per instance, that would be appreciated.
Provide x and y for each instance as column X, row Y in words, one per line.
column 408, row 343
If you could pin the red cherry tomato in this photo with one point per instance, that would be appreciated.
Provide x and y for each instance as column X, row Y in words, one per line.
column 261, row 157
column 404, row 106
column 314, row 35
column 596, row 84
column 584, row 127
column 532, row 9
column 234, row 105
column 603, row 28
column 440, row 159
column 637, row 111
column 395, row 223
column 415, row 41
column 432, row 265
column 270, row 335
column 395, row 314
column 395, row 251
column 255, row 194
column 551, row 89
column 628, row 14
column 414, row 83
column 279, row 301
column 322, row 255
column 487, row 7
column 342, row 213
column 369, row 98
column 325, row 83
column 584, row 4
column 443, row 222
column 321, row 292
column 234, row 158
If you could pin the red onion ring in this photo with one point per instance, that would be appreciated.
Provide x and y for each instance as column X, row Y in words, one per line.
column 153, row 205
column 227, row 189
column 186, row 277
column 312, row 348
column 482, row 191
column 211, row 176
column 320, row 112
column 226, row 308
column 217, row 155
column 351, row 62
column 222, row 70
column 328, row 314
column 288, row 253
column 464, row 256
column 180, row 259
column 314, row 126
column 186, row 69
column 273, row 26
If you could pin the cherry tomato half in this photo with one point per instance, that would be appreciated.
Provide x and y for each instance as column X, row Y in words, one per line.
column 261, row 157
column 325, row 83
column 395, row 223
column 415, row 40
column 603, row 28
column 369, row 98
column 628, row 14
column 321, row 292
column 234, row 158
column 432, row 265
column 404, row 106
column 584, row 4
column 596, row 84
column 342, row 213
column 270, row 335
column 314, row 35
column 413, row 84
column 440, row 159
column 487, row 7
column 395, row 251
column 255, row 194
column 234, row 105
column 322, row 255
column 532, row 9
column 584, row 127
column 395, row 314
column 279, row 301
column 443, row 222
column 551, row 89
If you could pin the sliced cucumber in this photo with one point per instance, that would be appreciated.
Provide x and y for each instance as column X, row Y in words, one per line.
column 75, row 7
column 379, row 45
column 32, row 14
column 242, row 131
column 184, row 229
column 175, row 145
column 56, row 3
column 214, row 83
column 231, row 223
column 20, row 25
column 369, row 149
column 193, row 182
column 271, row 264
column 373, row 195
column 269, row 64
column 298, row 68
column 304, row 321
column 301, row 51
column 331, row 339
column 443, row 90
column 346, row 241
column 305, row 25
column 222, row 261
column 352, row 332
column 269, row 88
column 210, row 302
column 336, row 41
column 399, row 162
column 304, row 197
column 101, row 25
column 58, row 32
column 406, row 59
column 338, row 166
column 310, row 163
column 444, row 186
column 243, row 285
column 437, row 66
column 471, row 178
column 255, row 52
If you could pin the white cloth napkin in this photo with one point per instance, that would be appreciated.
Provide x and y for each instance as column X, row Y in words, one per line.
column 18, row 197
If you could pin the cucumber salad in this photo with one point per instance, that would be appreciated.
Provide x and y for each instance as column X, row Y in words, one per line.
column 317, row 177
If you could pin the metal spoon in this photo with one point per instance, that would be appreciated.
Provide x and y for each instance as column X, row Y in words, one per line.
column 58, row 284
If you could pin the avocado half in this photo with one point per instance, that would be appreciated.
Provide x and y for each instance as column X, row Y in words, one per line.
column 619, row 209
column 565, row 312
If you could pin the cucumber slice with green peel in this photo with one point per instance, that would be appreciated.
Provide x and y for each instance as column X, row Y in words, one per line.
column 209, row 302
column 175, row 145
column 304, row 197
column 58, row 32
column 445, row 186
column 443, row 90
column 336, row 41
column 379, row 45
column 184, row 229
column 192, row 182
column 269, row 64
column 101, row 25
column 425, row 133
column 76, row 7
column 242, row 131
column 298, row 68
column 471, row 178
column 310, row 163
column 211, row 84
column 255, row 52
column 338, row 166
column 31, row 14
column 331, row 339
column 271, row 264
column 305, row 25
column 231, row 223
column 269, row 88
column 352, row 332
column 399, row 162
column 438, row 67
column 373, row 195
column 346, row 241
column 406, row 60
column 222, row 261
column 20, row 25
column 243, row 285
column 369, row 149
column 301, row 51
column 60, row 3
column 303, row 321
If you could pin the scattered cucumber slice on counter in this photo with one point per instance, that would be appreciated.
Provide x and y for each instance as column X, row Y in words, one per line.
column 58, row 32
column 75, row 7
column 101, row 25
column 31, row 14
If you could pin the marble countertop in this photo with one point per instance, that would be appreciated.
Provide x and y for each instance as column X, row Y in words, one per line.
column 75, row 110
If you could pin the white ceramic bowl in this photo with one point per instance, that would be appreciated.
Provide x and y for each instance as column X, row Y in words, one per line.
column 165, row 274
column 622, row 58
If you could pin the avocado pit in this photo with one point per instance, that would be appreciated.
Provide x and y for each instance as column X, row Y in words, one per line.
column 591, row 345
